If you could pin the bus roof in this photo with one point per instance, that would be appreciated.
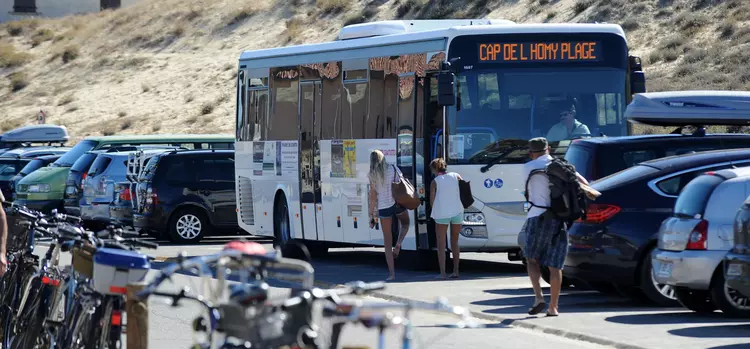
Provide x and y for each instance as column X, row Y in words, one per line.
column 432, row 31
column 162, row 137
column 681, row 108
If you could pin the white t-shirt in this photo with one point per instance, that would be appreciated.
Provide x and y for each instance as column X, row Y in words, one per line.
column 538, row 185
column 383, row 189
column 447, row 197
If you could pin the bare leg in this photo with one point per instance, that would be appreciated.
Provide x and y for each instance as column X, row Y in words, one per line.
column 403, row 219
column 455, row 231
column 535, row 273
column 385, row 224
column 441, row 230
column 555, row 281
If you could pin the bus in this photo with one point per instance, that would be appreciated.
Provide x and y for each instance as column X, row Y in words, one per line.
column 308, row 117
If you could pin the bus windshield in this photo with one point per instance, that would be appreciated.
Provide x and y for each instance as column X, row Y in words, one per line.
column 499, row 110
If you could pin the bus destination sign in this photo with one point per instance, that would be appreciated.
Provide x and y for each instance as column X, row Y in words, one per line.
column 567, row 51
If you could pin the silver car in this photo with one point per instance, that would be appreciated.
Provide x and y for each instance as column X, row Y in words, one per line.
column 695, row 239
column 99, row 184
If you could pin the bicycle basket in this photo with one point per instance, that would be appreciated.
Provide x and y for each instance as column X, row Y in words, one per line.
column 83, row 262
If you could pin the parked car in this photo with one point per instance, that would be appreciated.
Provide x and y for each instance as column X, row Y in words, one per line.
column 44, row 189
column 107, row 169
column 596, row 158
column 737, row 261
column 31, row 166
column 695, row 239
column 182, row 195
column 12, row 161
column 611, row 248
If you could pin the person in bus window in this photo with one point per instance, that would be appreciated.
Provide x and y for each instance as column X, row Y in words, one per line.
column 568, row 127
column 383, row 206
column 447, row 209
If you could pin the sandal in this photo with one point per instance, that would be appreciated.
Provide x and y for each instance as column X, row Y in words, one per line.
column 453, row 276
column 550, row 314
column 537, row 308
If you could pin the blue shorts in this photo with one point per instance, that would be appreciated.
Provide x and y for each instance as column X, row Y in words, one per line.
column 391, row 211
column 455, row 220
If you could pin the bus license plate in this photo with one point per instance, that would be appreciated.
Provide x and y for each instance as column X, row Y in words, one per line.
column 665, row 269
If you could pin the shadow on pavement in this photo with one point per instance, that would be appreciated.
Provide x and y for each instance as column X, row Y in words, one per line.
column 570, row 302
column 722, row 331
column 732, row 346
column 686, row 317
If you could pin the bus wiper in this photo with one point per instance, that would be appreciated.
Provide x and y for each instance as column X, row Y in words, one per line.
column 500, row 157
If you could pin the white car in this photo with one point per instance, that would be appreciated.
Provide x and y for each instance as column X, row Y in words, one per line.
column 694, row 240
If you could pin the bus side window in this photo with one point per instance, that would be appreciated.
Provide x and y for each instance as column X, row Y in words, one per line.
column 331, row 114
column 354, row 112
column 283, row 122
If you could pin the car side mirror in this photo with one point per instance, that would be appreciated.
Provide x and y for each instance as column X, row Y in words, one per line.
column 446, row 93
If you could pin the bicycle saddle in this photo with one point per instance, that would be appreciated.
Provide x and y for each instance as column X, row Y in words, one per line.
column 246, row 247
column 247, row 294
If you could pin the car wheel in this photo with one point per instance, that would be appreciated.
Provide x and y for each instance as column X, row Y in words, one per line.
column 188, row 225
column 698, row 301
column 659, row 294
column 727, row 299
column 281, row 224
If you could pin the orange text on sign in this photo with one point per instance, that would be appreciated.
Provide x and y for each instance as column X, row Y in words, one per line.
column 565, row 51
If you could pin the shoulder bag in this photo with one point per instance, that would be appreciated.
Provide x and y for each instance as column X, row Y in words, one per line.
column 403, row 191
column 464, row 189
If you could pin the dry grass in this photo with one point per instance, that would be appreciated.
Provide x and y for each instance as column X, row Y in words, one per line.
column 10, row 58
column 18, row 81
column 168, row 59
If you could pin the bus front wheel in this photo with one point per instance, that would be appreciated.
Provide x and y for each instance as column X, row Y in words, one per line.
column 282, row 227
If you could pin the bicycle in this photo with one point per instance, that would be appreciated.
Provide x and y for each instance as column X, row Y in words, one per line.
column 249, row 318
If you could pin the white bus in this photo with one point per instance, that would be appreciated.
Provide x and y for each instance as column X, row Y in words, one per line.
column 309, row 115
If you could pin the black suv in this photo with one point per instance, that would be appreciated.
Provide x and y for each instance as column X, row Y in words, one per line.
column 182, row 195
column 600, row 157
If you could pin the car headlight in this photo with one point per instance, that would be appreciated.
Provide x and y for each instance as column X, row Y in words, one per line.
column 474, row 218
column 39, row 188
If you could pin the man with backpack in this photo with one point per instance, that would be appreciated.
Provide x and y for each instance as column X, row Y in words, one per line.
column 556, row 198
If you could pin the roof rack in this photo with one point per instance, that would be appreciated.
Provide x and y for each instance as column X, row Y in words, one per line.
column 45, row 133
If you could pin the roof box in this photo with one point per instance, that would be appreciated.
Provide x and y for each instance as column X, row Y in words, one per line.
column 366, row 30
column 697, row 108
column 36, row 134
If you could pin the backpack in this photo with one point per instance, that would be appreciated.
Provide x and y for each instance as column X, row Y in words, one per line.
column 568, row 201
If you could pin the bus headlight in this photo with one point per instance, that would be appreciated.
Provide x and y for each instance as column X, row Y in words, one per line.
column 474, row 218
column 474, row 226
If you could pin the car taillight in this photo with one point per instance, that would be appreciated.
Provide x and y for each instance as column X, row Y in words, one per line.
column 598, row 213
column 698, row 237
column 125, row 194
column 151, row 197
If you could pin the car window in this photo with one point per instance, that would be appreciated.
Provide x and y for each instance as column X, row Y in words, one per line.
column 581, row 158
column 177, row 169
column 217, row 169
column 623, row 177
column 32, row 166
column 692, row 200
column 100, row 165
column 673, row 185
column 631, row 158
column 83, row 163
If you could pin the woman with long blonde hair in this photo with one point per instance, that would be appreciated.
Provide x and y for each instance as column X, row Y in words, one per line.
column 384, row 207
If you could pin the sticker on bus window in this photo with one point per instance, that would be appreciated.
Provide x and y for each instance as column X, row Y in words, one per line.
column 269, row 159
column 456, row 147
column 337, row 159
column 289, row 158
column 350, row 158
column 258, row 158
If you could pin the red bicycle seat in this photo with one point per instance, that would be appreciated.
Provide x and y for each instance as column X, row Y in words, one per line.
column 246, row 247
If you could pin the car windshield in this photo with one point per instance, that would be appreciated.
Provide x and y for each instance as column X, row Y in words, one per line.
column 72, row 155
column 32, row 166
column 83, row 163
column 500, row 110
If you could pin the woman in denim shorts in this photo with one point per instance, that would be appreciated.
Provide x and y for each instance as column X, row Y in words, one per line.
column 447, row 209
column 384, row 207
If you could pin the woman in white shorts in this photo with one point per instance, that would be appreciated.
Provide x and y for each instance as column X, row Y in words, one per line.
column 447, row 209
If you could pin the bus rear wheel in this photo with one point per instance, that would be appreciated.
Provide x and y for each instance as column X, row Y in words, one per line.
column 282, row 228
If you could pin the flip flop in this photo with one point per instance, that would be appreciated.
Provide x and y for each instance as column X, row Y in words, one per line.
column 453, row 276
column 537, row 308
column 548, row 314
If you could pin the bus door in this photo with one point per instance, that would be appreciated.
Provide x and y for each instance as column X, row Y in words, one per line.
column 430, row 115
column 309, row 120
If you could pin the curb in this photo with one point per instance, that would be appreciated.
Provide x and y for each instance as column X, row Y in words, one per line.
column 509, row 321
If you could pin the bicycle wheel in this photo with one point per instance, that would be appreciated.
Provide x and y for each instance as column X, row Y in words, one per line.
column 77, row 336
column 107, row 335
column 33, row 316
column 24, row 271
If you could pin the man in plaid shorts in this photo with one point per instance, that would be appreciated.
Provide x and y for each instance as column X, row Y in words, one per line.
column 544, row 237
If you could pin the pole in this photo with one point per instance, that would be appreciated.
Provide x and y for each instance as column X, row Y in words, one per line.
column 137, row 318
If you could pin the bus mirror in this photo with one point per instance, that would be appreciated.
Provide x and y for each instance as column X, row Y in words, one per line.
column 637, row 82
column 446, row 95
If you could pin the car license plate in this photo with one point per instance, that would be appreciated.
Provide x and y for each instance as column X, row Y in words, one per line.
column 665, row 269
column 734, row 269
